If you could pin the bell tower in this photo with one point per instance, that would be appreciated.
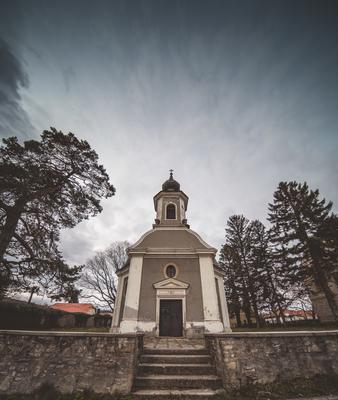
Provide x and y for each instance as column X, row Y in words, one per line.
column 171, row 205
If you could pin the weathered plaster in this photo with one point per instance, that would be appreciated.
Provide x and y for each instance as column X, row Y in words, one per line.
column 212, row 321
column 130, row 313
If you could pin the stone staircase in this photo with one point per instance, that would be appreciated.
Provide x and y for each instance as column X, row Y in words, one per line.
column 183, row 371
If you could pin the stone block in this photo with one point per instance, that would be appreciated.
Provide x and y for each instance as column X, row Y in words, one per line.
column 267, row 357
column 102, row 362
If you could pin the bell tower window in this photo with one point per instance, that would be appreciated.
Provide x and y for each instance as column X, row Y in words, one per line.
column 171, row 211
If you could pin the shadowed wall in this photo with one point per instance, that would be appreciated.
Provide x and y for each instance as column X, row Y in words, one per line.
column 153, row 271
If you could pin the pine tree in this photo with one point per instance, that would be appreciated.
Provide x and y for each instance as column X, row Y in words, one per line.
column 283, row 288
column 263, row 268
column 255, row 280
column 229, row 263
column 44, row 186
column 301, row 230
column 244, row 279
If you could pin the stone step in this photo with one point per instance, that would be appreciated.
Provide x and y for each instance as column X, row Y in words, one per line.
column 175, row 359
column 175, row 382
column 175, row 369
column 165, row 394
column 178, row 351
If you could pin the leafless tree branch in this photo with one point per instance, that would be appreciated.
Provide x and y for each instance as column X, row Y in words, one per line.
column 99, row 279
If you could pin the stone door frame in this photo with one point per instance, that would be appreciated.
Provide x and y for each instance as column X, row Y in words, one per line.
column 171, row 289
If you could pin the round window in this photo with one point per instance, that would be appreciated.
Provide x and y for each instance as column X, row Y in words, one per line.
column 170, row 271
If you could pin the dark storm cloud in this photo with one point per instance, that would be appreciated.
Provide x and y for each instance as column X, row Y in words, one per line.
column 14, row 120
column 238, row 95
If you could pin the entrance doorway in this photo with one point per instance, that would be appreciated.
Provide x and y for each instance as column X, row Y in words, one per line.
column 171, row 322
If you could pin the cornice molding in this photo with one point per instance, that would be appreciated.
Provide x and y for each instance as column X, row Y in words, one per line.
column 171, row 251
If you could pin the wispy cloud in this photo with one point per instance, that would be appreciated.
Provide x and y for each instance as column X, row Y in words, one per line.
column 14, row 120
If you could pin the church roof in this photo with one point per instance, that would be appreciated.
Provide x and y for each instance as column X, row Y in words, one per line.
column 170, row 185
column 178, row 239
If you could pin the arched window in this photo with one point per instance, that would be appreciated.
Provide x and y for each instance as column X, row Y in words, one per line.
column 171, row 211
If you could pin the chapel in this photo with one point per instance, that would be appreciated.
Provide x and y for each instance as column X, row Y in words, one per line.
column 171, row 284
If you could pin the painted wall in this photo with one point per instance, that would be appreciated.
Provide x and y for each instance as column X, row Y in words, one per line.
column 247, row 358
column 102, row 362
column 153, row 271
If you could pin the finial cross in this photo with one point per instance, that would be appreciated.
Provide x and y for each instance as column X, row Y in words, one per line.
column 171, row 172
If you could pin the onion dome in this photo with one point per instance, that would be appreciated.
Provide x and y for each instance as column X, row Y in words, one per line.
column 171, row 185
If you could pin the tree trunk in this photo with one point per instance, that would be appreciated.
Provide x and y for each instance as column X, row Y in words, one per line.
column 322, row 283
column 238, row 318
column 256, row 313
column 31, row 295
column 275, row 301
column 277, row 316
column 12, row 218
column 247, row 312
column 281, row 312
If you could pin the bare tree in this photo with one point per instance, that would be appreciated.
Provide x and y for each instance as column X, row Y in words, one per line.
column 99, row 281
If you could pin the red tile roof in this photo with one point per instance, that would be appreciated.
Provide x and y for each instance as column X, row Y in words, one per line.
column 74, row 307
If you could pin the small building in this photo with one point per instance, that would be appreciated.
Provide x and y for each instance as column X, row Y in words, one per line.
column 171, row 284
column 84, row 308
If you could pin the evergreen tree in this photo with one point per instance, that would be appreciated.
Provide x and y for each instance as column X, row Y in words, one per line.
column 239, row 240
column 261, row 265
column 44, row 186
column 255, row 280
column 229, row 263
column 304, row 234
column 68, row 291
column 328, row 233
column 57, row 282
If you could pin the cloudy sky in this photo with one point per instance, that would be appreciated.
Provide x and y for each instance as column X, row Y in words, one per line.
column 235, row 96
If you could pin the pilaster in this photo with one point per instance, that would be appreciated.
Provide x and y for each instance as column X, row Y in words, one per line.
column 129, row 322
column 224, row 306
column 212, row 321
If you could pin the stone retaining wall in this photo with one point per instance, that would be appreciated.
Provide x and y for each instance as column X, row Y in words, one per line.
column 248, row 358
column 102, row 362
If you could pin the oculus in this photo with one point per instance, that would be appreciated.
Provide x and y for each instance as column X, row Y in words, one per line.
column 171, row 271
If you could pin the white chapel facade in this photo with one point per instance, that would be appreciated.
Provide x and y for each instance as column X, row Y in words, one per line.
column 171, row 284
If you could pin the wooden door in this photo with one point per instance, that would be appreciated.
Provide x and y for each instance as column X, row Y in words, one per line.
column 171, row 323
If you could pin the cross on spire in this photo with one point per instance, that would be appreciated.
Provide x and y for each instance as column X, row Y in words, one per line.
column 171, row 173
